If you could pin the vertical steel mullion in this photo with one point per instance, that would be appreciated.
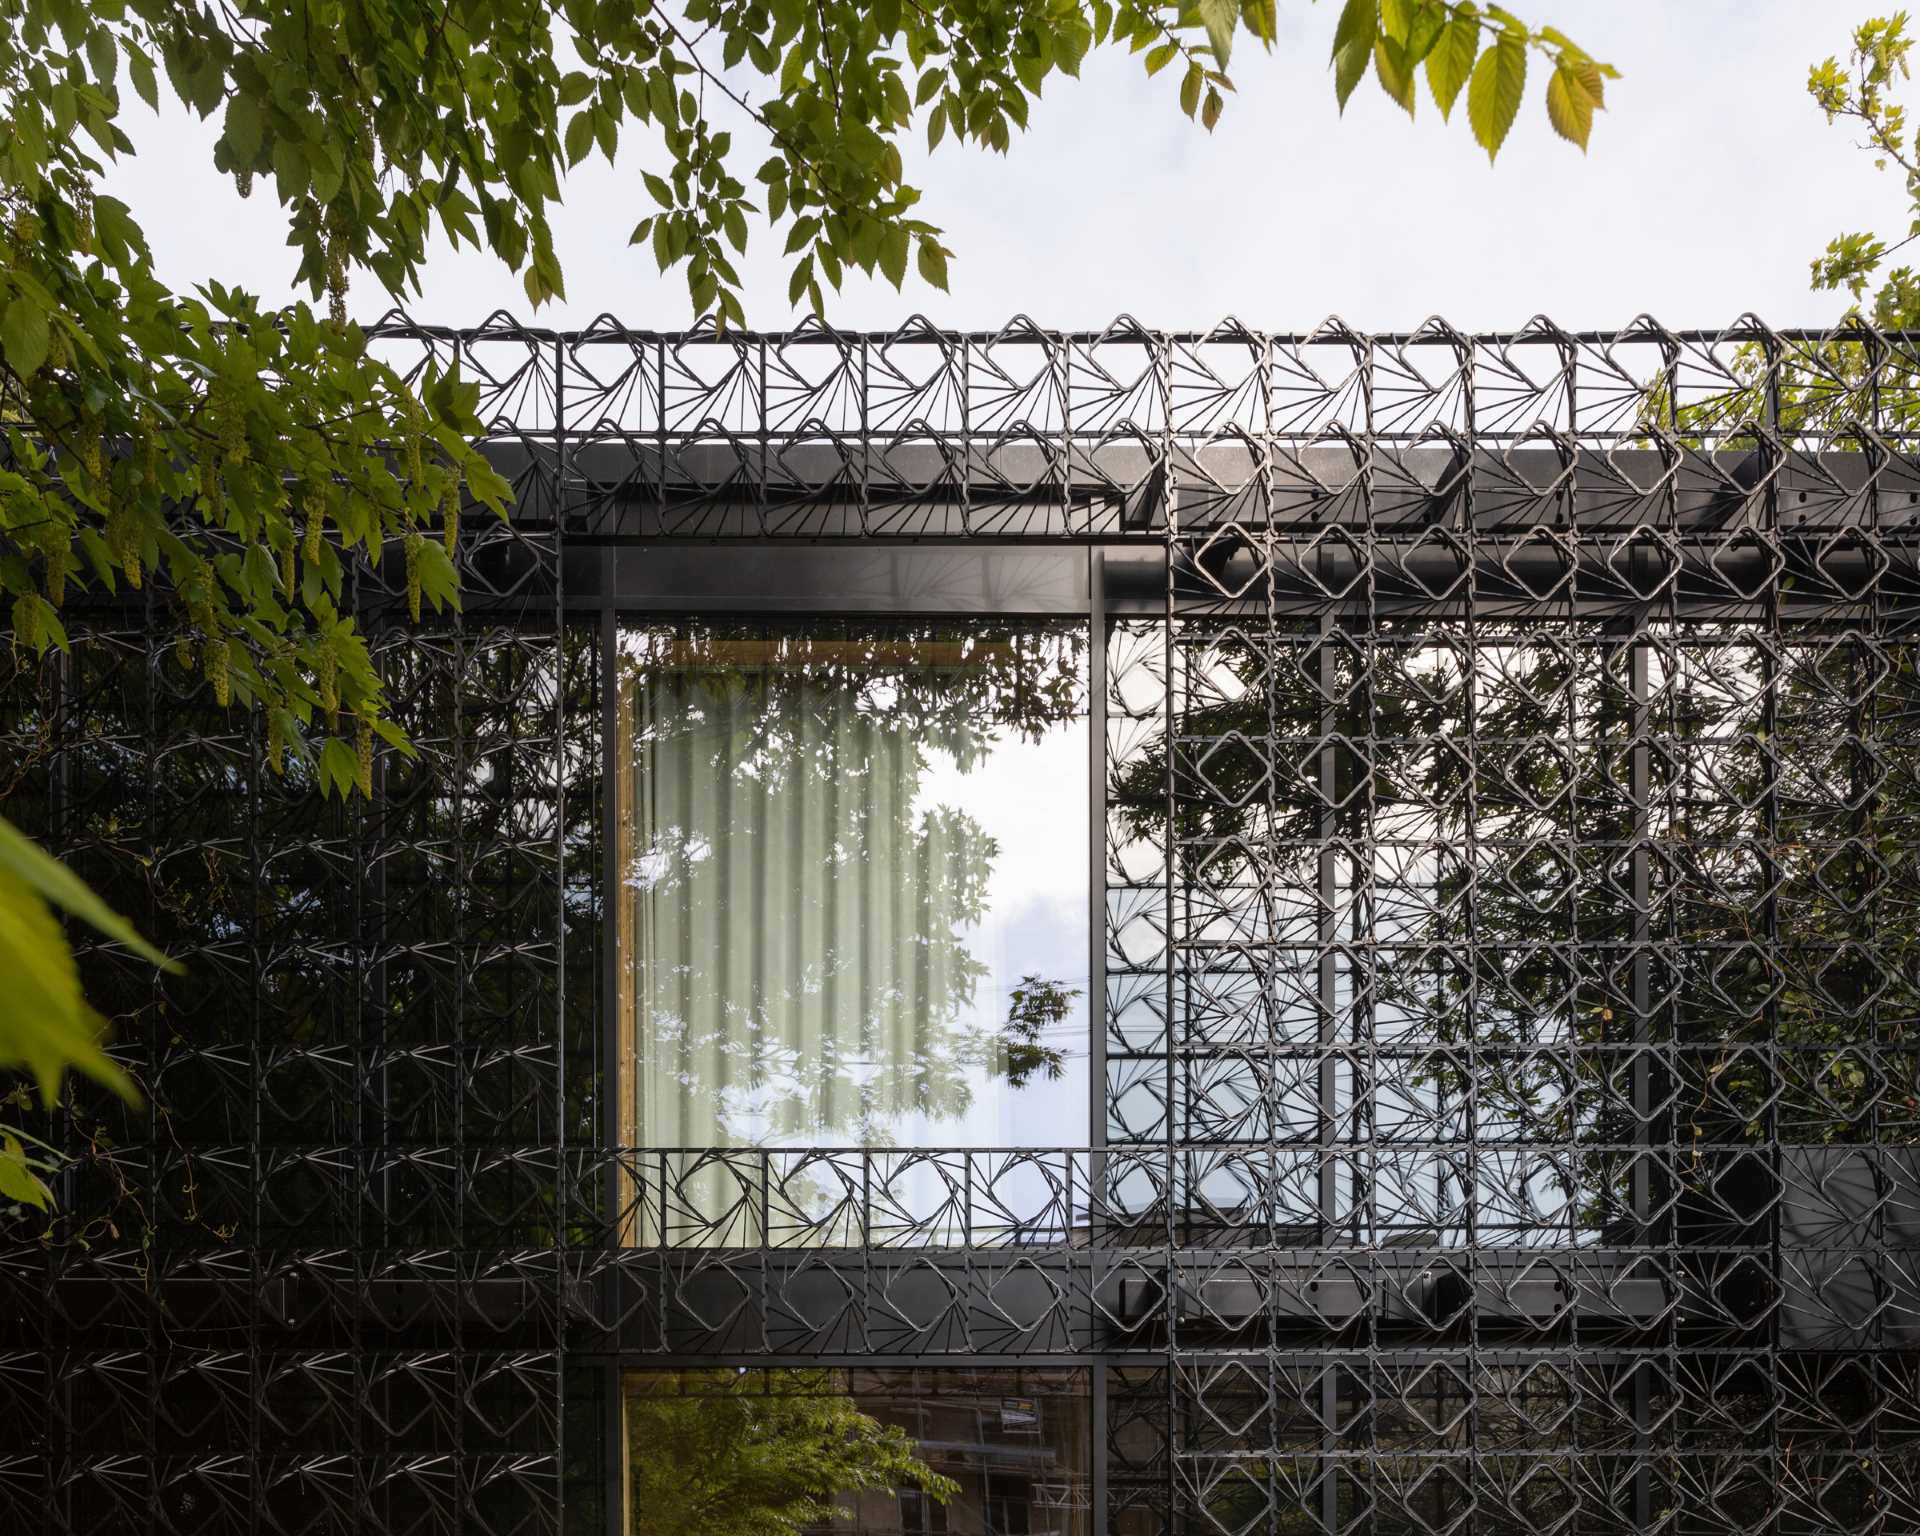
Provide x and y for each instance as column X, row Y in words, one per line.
column 562, row 1191
column 370, row 917
column 61, row 787
column 1645, row 940
column 255, row 1194
column 1326, row 893
column 662, row 456
column 1470, row 722
column 1097, row 1432
column 1879, row 1132
column 1364, row 931
column 61, row 1451
column 866, row 435
column 458, row 1364
column 966, row 437
column 616, row 1075
column 1326, row 967
column 1772, row 447
column 763, row 434
column 1097, row 1021
column 613, row 1440
column 1175, row 714
column 1640, row 796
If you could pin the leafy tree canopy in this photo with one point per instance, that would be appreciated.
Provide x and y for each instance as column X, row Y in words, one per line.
column 235, row 458
column 1861, row 94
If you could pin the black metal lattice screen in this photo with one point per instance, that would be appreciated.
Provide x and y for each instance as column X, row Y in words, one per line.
column 1513, row 804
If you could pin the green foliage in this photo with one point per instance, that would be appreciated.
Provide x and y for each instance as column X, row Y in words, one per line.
column 235, row 458
column 1859, row 94
column 46, row 1027
column 1484, row 48
column 1035, row 1006
column 1826, row 389
column 728, row 1453
column 379, row 123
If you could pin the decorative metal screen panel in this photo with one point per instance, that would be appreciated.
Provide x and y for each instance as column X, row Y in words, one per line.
column 1510, row 974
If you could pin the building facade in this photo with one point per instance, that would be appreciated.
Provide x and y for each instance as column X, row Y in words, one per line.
column 1073, row 933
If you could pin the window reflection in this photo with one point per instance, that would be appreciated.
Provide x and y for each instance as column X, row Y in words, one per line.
column 882, row 1452
column 853, row 885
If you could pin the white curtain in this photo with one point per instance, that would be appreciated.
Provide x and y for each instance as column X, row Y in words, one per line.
column 792, row 922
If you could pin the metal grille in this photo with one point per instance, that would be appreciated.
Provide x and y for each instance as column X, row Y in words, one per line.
column 1510, row 975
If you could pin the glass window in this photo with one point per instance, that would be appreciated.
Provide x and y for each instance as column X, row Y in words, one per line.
column 853, row 885
column 998, row 1451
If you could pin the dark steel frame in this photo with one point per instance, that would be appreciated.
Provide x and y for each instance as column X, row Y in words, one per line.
column 359, row 1273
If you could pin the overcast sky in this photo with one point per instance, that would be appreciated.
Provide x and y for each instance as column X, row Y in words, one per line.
column 1711, row 183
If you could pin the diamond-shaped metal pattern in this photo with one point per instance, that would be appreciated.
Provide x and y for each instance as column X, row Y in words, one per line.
column 1512, row 932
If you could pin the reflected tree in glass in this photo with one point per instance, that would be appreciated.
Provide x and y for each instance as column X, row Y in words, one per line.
column 794, row 910
column 771, row 1453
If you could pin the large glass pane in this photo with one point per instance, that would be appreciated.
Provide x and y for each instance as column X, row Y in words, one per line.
column 887, row 1452
column 853, row 900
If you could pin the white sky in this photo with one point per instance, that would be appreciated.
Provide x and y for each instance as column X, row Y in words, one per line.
column 1711, row 184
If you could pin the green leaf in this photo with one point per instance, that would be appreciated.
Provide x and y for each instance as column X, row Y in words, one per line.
column 1071, row 42
column 1592, row 76
column 893, row 255
column 932, row 262
column 144, row 84
column 803, row 230
column 1451, row 63
column 289, row 168
column 1359, row 20
column 243, row 128
column 1494, row 94
column 579, row 137
column 1394, row 72
column 23, row 335
column 22, row 858
column 1569, row 107
column 1159, row 58
column 329, row 170
column 657, row 185
column 1353, row 46
column 1220, row 17
column 1190, row 89
column 18, row 1182
column 338, row 769
column 46, row 1028
column 794, row 68
column 1423, row 31
column 575, row 88
column 439, row 581
column 103, row 57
